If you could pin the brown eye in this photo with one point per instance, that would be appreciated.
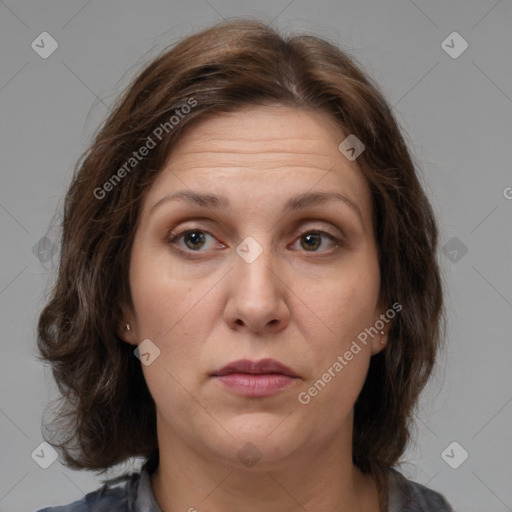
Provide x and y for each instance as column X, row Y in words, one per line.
column 196, row 239
column 311, row 240
column 193, row 239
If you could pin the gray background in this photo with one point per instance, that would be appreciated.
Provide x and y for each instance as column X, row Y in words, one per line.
column 457, row 113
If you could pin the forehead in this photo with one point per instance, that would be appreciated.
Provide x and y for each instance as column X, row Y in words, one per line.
column 279, row 150
column 261, row 134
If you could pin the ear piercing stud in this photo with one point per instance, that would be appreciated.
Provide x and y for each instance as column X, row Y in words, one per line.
column 382, row 340
column 128, row 327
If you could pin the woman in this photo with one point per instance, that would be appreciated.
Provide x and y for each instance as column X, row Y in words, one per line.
column 248, row 295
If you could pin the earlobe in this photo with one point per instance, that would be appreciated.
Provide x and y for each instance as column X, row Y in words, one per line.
column 383, row 324
column 126, row 328
column 127, row 333
column 379, row 342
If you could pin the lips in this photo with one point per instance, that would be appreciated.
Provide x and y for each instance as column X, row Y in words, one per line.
column 264, row 366
column 252, row 379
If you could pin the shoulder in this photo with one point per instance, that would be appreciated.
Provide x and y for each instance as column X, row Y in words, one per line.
column 409, row 496
column 118, row 498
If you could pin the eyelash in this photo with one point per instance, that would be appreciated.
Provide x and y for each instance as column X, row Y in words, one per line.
column 174, row 237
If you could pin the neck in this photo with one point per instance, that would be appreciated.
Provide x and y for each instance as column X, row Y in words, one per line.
column 322, row 479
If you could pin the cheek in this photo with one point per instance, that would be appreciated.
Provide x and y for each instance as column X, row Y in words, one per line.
column 346, row 302
column 176, row 402
column 331, row 396
column 338, row 361
column 160, row 296
column 177, row 313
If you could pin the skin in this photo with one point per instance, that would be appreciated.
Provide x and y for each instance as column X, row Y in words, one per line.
column 301, row 304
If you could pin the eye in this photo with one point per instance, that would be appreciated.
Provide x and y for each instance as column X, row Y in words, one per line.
column 312, row 240
column 194, row 239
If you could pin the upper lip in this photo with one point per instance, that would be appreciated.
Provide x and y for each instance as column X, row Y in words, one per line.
column 263, row 366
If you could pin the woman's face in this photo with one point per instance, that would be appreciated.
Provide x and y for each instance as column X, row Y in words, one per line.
column 257, row 267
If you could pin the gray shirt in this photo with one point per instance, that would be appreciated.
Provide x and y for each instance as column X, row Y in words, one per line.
column 135, row 495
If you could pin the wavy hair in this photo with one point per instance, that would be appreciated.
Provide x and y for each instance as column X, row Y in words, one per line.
column 106, row 413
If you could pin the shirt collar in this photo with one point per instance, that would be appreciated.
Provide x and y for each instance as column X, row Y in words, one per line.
column 145, row 501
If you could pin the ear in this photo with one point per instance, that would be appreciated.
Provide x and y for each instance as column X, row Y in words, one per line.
column 382, row 323
column 129, row 335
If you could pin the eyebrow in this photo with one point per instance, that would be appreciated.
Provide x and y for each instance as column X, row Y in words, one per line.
column 295, row 203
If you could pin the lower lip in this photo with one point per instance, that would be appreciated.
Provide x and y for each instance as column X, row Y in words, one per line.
column 247, row 384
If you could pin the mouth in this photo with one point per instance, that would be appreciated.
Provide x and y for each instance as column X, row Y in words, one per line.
column 255, row 378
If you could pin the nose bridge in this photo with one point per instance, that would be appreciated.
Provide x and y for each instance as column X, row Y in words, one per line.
column 256, row 292
column 254, row 263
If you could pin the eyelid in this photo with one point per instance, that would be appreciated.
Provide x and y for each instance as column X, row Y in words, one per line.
column 321, row 228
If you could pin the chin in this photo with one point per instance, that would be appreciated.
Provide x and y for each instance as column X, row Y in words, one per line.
column 257, row 442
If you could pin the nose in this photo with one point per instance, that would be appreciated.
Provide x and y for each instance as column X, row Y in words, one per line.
column 257, row 295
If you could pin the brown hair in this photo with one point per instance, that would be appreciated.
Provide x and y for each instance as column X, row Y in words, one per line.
column 107, row 414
